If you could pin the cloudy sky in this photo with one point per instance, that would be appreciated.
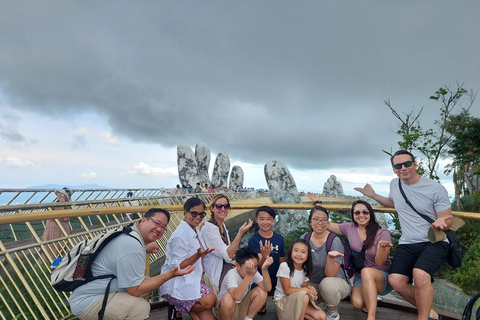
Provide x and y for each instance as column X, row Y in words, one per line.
column 103, row 91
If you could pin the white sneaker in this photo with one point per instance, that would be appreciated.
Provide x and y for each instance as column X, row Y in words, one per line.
column 332, row 315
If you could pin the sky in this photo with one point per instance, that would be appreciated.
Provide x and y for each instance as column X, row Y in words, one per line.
column 103, row 91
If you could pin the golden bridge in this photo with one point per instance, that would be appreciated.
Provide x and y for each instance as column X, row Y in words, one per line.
column 25, row 260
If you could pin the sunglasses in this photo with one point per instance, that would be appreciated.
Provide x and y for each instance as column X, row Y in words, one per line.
column 365, row 212
column 195, row 214
column 407, row 164
column 220, row 206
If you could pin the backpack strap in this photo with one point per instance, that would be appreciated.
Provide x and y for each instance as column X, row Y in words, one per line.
column 329, row 241
column 105, row 300
column 308, row 236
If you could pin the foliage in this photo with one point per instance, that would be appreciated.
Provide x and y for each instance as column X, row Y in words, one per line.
column 467, row 277
column 476, row 201
column 294, row 235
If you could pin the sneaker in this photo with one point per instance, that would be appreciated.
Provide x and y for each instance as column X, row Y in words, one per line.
column 332, row 315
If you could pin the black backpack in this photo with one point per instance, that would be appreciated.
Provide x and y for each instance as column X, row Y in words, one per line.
column 347, row 265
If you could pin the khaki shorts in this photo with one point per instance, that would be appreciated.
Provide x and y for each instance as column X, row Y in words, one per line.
column 332, row 290
column 120, row 306
column 241, row 308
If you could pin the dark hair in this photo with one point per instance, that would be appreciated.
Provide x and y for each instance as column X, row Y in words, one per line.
column 153, row 211
column 317, row 208
column 193, row 202
column 372, row 227
column 308, row 265
column 400, row 152
column 244, row 254
column 267, row 209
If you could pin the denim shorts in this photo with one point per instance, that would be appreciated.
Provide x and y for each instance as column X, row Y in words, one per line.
column 357, row 282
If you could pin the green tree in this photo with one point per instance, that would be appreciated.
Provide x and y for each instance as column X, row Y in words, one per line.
column 432, row 143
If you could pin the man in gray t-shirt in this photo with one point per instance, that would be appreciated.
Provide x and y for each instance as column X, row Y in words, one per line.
column 416, row 258
column 125, row 257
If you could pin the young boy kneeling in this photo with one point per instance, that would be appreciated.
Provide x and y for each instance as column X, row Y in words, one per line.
column 235, row 300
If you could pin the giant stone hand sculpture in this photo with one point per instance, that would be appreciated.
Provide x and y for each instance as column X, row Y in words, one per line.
column 193, row 168
column 284, row 190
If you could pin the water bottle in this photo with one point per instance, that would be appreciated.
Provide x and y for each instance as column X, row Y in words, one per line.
column 82, row 263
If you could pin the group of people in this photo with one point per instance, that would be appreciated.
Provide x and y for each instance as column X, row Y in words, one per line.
column 207, row 275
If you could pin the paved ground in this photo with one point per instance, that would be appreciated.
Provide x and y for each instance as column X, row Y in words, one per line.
column 347, row 312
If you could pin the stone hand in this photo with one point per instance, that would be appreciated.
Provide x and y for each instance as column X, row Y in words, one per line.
column 266, row 249
column 193, row 167
column 366, row 191
column 251, row 268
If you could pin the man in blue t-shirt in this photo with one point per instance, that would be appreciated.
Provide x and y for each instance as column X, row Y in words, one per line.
column 266, row 243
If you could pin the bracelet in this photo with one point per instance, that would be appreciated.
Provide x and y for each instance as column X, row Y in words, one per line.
column 317, row 201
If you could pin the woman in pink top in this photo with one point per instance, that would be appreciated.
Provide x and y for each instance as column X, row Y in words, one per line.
column 365, row 233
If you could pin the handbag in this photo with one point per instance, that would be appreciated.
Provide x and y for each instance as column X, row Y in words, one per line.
column 455, row 252
column 358, row 259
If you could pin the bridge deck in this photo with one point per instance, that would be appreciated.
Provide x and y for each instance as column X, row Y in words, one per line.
column 347, row 312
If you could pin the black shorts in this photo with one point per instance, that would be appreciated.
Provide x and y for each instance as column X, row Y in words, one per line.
column 426, row 256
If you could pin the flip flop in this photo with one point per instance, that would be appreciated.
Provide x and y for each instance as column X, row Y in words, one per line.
column 439, row 318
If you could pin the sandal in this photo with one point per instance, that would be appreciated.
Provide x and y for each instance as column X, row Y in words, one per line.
column 173, row 314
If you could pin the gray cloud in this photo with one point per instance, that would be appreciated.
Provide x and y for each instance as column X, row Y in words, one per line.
column 260, row 81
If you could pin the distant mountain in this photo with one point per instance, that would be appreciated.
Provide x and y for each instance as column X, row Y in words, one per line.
column 60, row 186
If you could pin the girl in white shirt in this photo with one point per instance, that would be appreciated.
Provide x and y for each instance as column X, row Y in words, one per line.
column 293, row 296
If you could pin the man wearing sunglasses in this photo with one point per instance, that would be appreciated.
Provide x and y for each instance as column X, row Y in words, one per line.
column 125, row 257
column 416, row 257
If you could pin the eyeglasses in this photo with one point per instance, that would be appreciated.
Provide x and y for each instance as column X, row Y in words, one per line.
column 220, row 206
column 407, row 164
column 365, row 212
column 318, row 220
column 158, row 224
column 195, row 214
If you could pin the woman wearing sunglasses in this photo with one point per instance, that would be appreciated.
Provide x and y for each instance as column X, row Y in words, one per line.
column 364, row 233
column 215, row 235
column 190, row 293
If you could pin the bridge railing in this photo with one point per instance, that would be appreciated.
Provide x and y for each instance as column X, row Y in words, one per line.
column 25, row 291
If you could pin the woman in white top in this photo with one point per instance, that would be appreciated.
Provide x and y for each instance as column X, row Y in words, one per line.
column 215, row 235
column 189, row 294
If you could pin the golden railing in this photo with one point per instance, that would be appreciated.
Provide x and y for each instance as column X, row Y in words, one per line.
column 25, row 291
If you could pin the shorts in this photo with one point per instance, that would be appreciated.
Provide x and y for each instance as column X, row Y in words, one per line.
column 357, row 282
column 120, row 305
column 184, row 306
column 425, row 256
column 241, row 308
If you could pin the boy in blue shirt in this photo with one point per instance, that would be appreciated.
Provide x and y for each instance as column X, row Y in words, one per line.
column 266, row 243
